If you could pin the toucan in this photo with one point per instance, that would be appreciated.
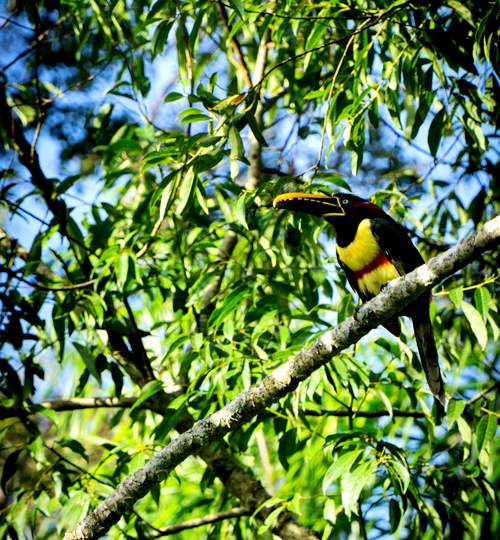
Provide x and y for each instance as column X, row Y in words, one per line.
column 373, row 249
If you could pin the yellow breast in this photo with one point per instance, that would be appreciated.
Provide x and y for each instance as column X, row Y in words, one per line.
column 362, row 250
column 364, row 257
column 369, row 284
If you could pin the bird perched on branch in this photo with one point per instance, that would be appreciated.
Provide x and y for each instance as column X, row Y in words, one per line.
column 373, row 249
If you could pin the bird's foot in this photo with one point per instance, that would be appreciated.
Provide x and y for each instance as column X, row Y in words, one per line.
column 356, row 315
column 383, row 286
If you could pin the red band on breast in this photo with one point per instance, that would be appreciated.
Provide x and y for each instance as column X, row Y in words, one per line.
column 379, row 260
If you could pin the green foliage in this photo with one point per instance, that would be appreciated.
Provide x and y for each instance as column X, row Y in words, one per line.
column 152, row 265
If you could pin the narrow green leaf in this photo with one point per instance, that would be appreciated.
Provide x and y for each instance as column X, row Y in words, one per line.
column 329, row 511
column 466, row 434
column 238, row 6
column 173, row 96
column 240, row 211
column 482, row 299
column 353, row 483
column 194, row 118
column 255, row 129
column 486, row 430
column 339, row 467
column 384, row 399
column 436, row 131
column 9, row 469
column 394, row 515
column 271, row 518
column 455, row 409
column 400, row 473
column 456, row 296
column 170, row 418
column 237, row 149
column 160, row 37
column 88, row 359
column 196, row 340
column 74, row 445
column 149, row 389
column 286, row 447
column 434, row 520
column 201, row 197
column 476, row 323
column 187, row 189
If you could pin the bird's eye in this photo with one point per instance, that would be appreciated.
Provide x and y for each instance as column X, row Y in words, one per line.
column 345, row 201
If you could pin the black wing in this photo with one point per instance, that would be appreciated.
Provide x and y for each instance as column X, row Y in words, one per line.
column 396, row 244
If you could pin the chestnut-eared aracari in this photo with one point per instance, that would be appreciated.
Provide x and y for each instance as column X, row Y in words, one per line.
column 373, row 249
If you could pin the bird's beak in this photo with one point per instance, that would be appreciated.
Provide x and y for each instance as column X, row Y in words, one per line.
column 317, row 205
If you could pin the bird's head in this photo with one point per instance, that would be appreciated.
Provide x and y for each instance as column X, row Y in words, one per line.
column 341, row 207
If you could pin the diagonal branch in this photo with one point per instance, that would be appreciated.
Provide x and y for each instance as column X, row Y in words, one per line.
column 285, row 379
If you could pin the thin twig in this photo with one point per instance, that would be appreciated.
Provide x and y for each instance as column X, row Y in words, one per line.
column 205, row 520
column 236, row 45
column 483, row 393
column 75, row 287
column 40, row 38
column 329, row 43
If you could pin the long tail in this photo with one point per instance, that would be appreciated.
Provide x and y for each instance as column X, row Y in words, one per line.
column 427, row 349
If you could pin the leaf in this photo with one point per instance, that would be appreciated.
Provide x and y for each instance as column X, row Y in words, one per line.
column 434, row 520
column 88, row 359
column 237, row 148
column 72, row 444
column 237, row 5
column 124, row 145
column 252, row 123
column 477, row 324
column 436, row 131
column 353, row 483
column 240, row 211
column 186, row 191
column 160, row 37
column 329, row 512
column 466, row 434
column 400, row 473
column 149, row 389
column 340, row 466
column 266, row 321
column 286, row 447
column 173, row 96
column 170, row 417
column 394, row 515
column 271, row 518
column 196, row 340
column 486, row 430
column 201, row 197
column 482, row 299
column 384, row 399
column 456, row 296
column 463, row 11
column 194, row 118
column 9, row 469
column 455, row 409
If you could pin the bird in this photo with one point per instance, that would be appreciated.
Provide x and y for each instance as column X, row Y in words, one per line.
column 373, row 249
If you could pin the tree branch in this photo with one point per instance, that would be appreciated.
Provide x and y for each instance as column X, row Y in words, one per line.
column 205, row 520
column 236, row 45
column 395, row 296
column 73, row 404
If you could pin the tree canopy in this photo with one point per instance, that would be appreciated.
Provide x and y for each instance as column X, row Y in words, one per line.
column 146, row 279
